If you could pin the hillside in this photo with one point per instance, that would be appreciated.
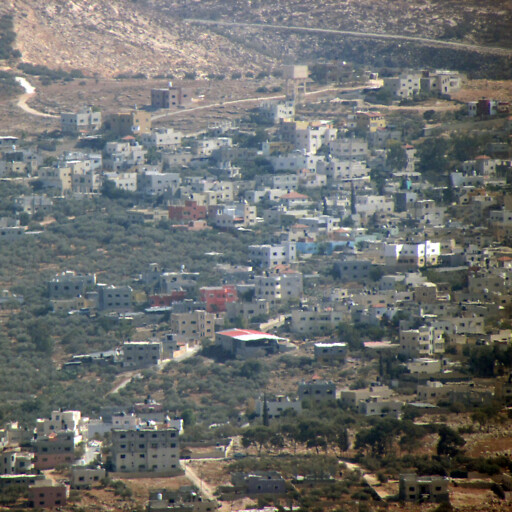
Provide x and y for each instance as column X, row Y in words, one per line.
column 154, row 38
column 472, row 21
column 118, row 36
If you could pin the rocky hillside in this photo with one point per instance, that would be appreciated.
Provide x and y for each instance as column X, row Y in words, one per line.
column 119, row 36
column 471, row 21
column 149, row 36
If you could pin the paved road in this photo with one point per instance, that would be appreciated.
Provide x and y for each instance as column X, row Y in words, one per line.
column 282, row 96
column 29, row 92
column 248, row 100
column 369, row 35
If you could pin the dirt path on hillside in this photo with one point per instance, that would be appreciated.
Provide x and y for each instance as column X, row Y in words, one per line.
column 29, row 93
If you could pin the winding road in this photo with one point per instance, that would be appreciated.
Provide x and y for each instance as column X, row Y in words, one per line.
column 30, row 90
column 370, row 35
column 248, row 100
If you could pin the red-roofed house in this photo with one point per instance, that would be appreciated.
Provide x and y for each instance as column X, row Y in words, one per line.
column 370, row 121
column 482, row 165
column 293, row 199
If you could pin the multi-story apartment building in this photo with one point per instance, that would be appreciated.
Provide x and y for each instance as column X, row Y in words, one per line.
column 84, row 121
column 84, row 478
column 247, row 310
column 268, row 256
column 171, row 97
column 268, row 287
column 62, row 421
column 122, row 156
column 141, row 354
column 16, row 462
column 422, row 342
column 370, row 121
column 172, row 281
column 276, row 406
column 338, row 171
column 135, row 122
column 190, row 210
column 441, row 82
column 47, row 494
column 193, row 326
column 404, row 86
column 146, row 450
column 419, row 254
column 307, row 136
column 123, row 180
column 349, row 149
column 317, row 391
column 230, row 216
column 275, row 111
column 162, row 138
column 205, row 147
column 118, row 298
column 55, row 449
column 69, row 284
column 315, row 321
column 216, row 297
column 154, row 183
column 57, row 178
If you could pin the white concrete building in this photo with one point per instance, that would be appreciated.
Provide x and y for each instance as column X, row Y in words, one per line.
column 146, row 450
column 154, row 183
column 123, row 180
column 274, row 111
column 349, row 149
column 403, row 86
column 268, row 256
column 422, row 342
column 276, row 406
column 315, row 320
column 162, row 138
column 84, row 121
column 419, row 254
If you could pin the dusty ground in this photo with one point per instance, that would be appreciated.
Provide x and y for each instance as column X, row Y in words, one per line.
column 120, row 95
column 478, row 89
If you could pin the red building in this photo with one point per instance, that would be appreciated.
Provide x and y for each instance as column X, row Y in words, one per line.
column 166, row 300
column 216, row 297
column 189, row 211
